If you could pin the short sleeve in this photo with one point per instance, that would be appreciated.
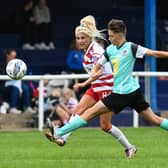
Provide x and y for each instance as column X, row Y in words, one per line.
column 141, row 51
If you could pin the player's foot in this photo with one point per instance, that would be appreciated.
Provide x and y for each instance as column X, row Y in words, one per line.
column 59, row 141
column 49, row 136
column 130, row 152
column 52, row 136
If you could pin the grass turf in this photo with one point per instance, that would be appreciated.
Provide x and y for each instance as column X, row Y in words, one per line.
column 87, row 148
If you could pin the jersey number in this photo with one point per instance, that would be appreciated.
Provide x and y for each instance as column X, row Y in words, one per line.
column 115, row 63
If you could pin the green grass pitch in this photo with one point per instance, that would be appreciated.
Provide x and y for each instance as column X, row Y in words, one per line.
column 86, row 148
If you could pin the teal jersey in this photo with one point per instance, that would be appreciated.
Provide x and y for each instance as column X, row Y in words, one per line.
column 122, row 60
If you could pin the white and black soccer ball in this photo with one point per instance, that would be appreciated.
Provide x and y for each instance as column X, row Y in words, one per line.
column 16, row 69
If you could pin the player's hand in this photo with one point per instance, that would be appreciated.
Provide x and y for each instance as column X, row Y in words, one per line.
column 96, row 74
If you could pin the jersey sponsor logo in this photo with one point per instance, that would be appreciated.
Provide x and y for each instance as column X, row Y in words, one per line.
column 125, row 52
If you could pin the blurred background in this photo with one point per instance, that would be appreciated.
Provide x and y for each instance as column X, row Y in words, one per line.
column 65, row 16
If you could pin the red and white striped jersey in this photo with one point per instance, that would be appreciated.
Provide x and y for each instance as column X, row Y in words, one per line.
column 92, row 55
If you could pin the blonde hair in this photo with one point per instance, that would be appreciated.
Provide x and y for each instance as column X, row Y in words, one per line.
column 88, row 26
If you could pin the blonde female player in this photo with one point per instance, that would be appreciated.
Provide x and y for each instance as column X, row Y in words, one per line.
column 122, row 55
column 86, row 34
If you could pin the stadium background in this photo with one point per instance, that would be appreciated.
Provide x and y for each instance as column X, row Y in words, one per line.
column 66, row 15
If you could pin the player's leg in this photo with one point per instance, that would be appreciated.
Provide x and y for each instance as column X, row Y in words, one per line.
column 143, row 108
column 101, row 107
column 105, row 123
column 79, row 121
column 154, row 119
column 85, row 102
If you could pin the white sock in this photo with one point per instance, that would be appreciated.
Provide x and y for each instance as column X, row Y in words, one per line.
column 116, row 132
column 66, row 136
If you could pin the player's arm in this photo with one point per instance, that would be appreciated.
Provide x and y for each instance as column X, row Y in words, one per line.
column 89, row 80
column 157, row 54
column 96, row 72
column 98, row 67
column 139, row 51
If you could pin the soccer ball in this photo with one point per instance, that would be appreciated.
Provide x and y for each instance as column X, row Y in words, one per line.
column 16, row 69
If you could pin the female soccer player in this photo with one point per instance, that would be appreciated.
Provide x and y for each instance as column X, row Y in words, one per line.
column 86, row 34
column 126, row 91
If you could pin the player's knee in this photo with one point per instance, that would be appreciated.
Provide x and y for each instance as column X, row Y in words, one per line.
column 105, row 127
column 78, row 110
